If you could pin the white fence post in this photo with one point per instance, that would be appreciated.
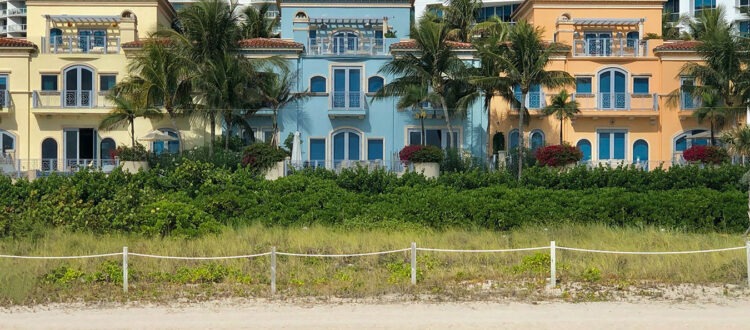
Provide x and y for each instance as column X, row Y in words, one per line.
column 747, row 251
column 552, row 266
column 125, row 269
column 413, row 263
column 273, row 270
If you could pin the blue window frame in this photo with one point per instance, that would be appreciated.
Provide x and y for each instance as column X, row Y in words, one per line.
column 534, row 97
column 317, row 149
column 347, row 90
column 374, row 84
column 537, row 139
column 346, row 145
column 3, row 83
column 317, row 84
column 687, row 101
column 583, row 85
column 375, row 149
column 689, row 139
column 171, row 147
column 49, row 82
column 55, row 36
column 107, row 82
column 513, row 139
column 744, row 27
column 640, row 152
column 585, row 147
column 631, row 39
column 640, row 85
column 612, row 145
column 612, row 91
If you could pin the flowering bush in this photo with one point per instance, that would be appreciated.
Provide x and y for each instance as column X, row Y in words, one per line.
column 421, row 154
column 125, row 153
column 706, row 154
column 558, row 155
column 262, row 156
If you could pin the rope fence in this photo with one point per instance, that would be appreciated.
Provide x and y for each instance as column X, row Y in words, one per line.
column 412, row 252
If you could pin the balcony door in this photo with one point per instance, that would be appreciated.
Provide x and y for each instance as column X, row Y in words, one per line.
column 598, row 43
column 347, row 88
column 80, row 147
column 346, row 146
column 612, row 94
column 79, row 87
column 345, row 42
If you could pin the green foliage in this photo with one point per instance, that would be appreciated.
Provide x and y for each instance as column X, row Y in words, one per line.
column 236, row 143
column 137, row 153
column 427, row 154
column 62, row 276
column 167, row 218
column 537, row 263
column 221, row 158
column 592, row 274
column 262, row 156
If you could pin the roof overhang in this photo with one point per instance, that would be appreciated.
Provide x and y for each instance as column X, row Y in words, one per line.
column 83, row 19
column 606, row 21
column 343, row 20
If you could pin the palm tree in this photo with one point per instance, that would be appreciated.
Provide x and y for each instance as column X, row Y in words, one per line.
column 416, row 98
column 434, row 65
column 737, row 140
column 522, row 62
column 712, row 110
column 255, row 24
column 276, row 92
column 562, row 109
column 127, row 107
column 461, row 16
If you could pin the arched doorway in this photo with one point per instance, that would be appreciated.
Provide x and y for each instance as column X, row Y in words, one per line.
column 585, row 147
column 640, row 153
column 346, row 146
column 612, row 89
column 79, row 87
column 49, row 155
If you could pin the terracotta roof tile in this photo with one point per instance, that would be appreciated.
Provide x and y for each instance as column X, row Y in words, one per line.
column 269, row 43
column 411, row 44
column 133, row 44
column 13, row 42
column 678, row 45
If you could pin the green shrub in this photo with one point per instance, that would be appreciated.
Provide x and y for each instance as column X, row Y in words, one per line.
column 262, row 156
column 167, row 218
column 137, row 153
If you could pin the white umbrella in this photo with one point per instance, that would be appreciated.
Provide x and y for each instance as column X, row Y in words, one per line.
column 157, row 135
column 296, row 150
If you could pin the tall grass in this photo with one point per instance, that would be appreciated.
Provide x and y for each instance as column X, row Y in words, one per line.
column 25, row 281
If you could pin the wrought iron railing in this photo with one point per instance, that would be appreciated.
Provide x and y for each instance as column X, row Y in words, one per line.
column 81, row 44
column 605, row 47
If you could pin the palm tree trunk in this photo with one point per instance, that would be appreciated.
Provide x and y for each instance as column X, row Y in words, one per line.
column 521, row 110
column 424, row 135
column 712, row 131
column 561, row 128
column 447, row 122
column 275, row 127
column 230, row 125
column 132, row 132
column 212, row 122
column 489, row 126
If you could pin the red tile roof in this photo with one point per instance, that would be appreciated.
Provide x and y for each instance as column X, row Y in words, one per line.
column 678, row 46
column 269, row 43
column 13, row 42
column 411, row 44
column 133, row 44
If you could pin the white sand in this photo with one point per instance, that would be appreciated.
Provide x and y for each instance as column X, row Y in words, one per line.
column 731, row 314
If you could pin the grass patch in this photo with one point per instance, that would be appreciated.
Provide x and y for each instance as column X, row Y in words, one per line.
column 445, row 274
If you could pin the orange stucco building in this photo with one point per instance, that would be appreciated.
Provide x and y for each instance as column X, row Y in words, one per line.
column 624, row 73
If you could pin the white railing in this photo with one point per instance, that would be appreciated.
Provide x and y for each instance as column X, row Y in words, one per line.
column 616, row 101
column 347, row 46
column 411, row 251
column 3, row 28
column 4, row 99
column 3, row 12
column 33, row 168
column 534, row 100
column 688, row 102
column 347, row 100
column 17, row 28
column 70, row 99
column 340, row 165
column 606, row 47
column 17, row 11
column 81, row 44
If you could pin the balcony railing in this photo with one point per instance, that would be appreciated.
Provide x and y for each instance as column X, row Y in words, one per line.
column 81, row 45
column 70, row 99
column 687, row 102
column 610, row 47
column 616, row 101
column 4, row 99
column 16, row 11
column 338, row 46
column 3, row 28
column 347, row 100
column 17, row 28
column 534, row 100
column 33, row 168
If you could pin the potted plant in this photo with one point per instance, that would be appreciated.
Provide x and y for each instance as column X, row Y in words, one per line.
column 132, row 159
column 712, row 155
column 265, row 159
column 563, row 155
column 425, row 159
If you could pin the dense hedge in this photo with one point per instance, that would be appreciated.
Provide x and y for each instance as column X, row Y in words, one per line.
column 197, row 198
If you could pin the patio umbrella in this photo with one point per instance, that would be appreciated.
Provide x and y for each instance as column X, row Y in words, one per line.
column 296, row 150
column 157, row 135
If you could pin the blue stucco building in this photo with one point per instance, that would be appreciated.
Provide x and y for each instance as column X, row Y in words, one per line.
column 337, row 48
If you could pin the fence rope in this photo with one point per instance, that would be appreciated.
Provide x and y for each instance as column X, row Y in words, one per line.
column 62, row 257
column 650, row 253
column 484, row 251
column 340, row 255
column 199, row 258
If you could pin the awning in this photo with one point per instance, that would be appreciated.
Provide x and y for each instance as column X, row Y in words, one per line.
column 607, row 21
column 83, row 19
column 341, row 20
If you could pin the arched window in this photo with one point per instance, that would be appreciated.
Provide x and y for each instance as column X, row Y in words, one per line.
column 585, row 147
column 696, row 137
column 498, row 142
column 612, row 89
column 632, row 39
column 300, row 15
column 537, row 139
column 55, row 37
column 640, row 153
column 346, row 145
column 79, row 87
column 345, row 42
column 108, row 147
column 172, row 147
column 7, row 141
column 513, row 139
column 317, row 84
column 49, row 155
column 374, row 84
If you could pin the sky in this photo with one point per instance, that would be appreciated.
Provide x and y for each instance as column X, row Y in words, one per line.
column 419, row 6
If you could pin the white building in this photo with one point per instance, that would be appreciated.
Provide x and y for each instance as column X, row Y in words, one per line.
column 13, row 18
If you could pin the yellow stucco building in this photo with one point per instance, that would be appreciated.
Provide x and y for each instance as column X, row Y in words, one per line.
column 53, row 84
column 623, row 79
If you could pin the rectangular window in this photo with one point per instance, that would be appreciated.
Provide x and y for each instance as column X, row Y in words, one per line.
column 703, row 4
column 415, row 138
column 3, row 83
column 318, row 151
column 49, row 82
column 686, row 99
column 375, row 149
column 434, row 137
column 744, row 3
column 612, row 145
column 640, row 85
column 347, row 90
column 3, row 91
column 583, row 85
column 744, row 28
column 107, row 82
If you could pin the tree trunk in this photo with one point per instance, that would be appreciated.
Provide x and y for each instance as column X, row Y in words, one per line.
column 524, row 95
column 275, row 119
column 489, row 126
column 132, row 132
column 447, row 122
column 424, row 135
column 230, row 125
column 712, row 131
column 212, row 122
column 561, row 128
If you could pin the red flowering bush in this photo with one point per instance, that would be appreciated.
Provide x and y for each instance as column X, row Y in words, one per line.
column 421, row 154
column 558, row 155
column 706, row 154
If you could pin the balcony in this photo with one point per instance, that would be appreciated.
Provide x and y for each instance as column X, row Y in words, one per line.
column 347, row 46
column 534, row 101
column 617, row 104
column 4, row 99
column 347, row 104
column 3, row 29
column 81, row 45
column 70, row 101
column 16, row 12
column 16, row 28
column 610, row 47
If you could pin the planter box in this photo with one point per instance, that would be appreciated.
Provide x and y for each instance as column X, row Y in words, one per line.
column 275, row 172
column 133, row 166
column 429, row 170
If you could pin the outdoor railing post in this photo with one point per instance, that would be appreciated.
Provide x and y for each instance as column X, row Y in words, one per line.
column 273, row 270
column 747, row 251
column 413, row 263
column 552, row 266
column 125, row 269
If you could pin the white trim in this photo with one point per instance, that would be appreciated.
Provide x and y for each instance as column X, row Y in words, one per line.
column 612, row 130
column 418, row 128
column 325, row 83
column 367, row 146
column 648, row 148
column 325, row 146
